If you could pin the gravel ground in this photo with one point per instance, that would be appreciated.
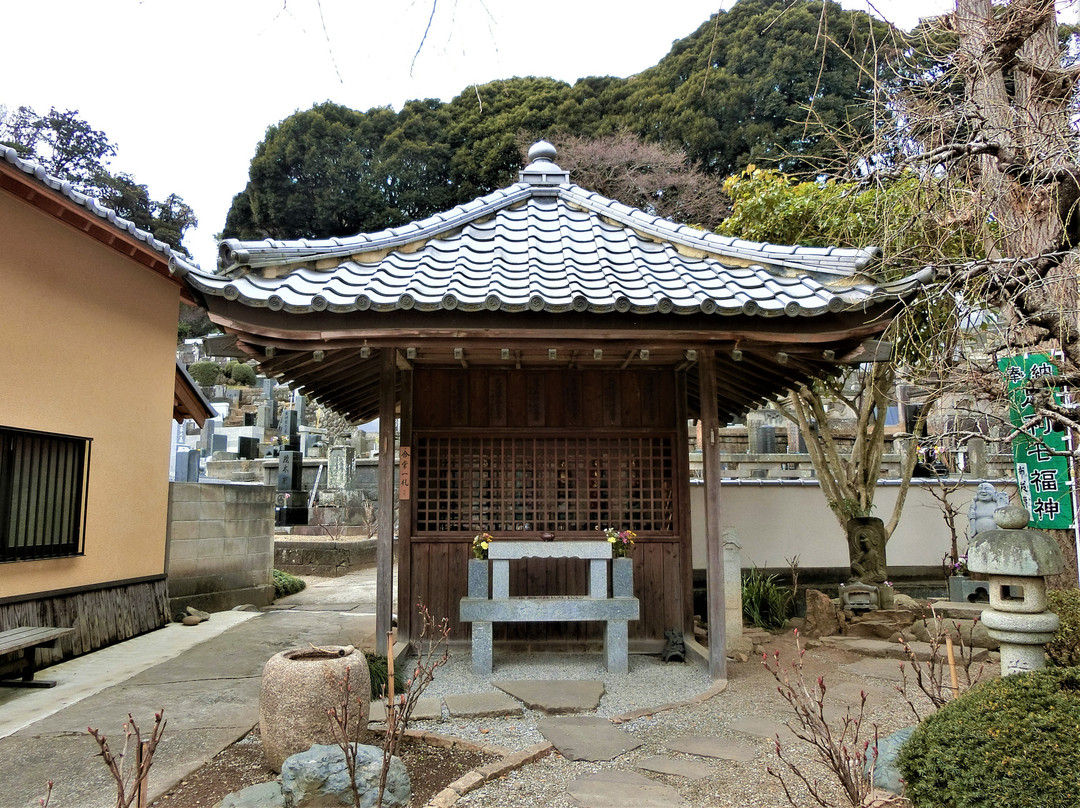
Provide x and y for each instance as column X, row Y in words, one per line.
column 750, row 711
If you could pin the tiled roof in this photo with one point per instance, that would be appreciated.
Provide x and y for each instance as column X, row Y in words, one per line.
column 544, row 244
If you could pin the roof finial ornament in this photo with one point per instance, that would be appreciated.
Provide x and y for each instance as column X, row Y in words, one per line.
column 541, row 169
column 542, row 150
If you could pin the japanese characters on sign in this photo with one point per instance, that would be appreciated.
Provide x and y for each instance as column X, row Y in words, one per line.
column 1042, row 475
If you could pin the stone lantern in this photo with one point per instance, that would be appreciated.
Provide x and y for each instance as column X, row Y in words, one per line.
column 1017, row 561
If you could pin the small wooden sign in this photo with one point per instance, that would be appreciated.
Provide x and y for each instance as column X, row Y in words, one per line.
column 404, row 473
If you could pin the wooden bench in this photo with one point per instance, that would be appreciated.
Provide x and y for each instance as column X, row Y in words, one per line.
column 24, row 642
column 615, row 610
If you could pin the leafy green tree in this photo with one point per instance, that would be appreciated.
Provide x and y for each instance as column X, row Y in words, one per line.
column 755, row 83
column 910, row 222
column 760, row 83
column 69, row 148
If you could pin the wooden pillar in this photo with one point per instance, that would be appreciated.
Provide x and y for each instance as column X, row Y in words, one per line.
column 406, row 608
column 384, row 549
column 684, row 525
column 710, row 455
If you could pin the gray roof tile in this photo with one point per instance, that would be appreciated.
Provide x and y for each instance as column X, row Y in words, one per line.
column 553, row 247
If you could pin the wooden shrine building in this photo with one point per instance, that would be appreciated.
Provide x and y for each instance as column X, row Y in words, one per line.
column 544, row 348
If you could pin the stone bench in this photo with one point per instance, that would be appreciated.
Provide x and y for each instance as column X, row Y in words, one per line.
column 24, row 641
column 616, row 609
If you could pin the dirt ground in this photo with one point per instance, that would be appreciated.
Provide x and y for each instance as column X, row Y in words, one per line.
column 243, row 764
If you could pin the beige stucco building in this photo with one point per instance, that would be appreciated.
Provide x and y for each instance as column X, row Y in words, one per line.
column 90, row 386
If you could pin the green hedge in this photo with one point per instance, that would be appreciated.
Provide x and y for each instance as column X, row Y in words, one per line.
column 1064, row 650
column 1007, row 743
column 205, row 374
column 286, row 584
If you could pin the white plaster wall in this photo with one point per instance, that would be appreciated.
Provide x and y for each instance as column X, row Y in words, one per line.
column 780, row 519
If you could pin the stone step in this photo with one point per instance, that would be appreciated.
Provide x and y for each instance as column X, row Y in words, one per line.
column 957, row 609
column 874, row 629
column 882, row 649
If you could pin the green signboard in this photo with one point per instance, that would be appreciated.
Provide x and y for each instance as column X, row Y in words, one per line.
column 1041, row 475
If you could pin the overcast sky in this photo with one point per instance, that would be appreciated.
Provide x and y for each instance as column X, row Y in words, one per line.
column 186, row 88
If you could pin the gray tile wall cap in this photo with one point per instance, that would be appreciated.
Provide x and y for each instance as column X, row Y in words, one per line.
column 179, row 264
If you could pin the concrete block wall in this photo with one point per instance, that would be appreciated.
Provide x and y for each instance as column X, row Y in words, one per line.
column 220, row 545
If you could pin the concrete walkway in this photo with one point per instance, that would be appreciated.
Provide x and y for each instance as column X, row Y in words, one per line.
column 205, row 677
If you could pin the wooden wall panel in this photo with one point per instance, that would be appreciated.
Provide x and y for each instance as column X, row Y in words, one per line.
column 540, row 416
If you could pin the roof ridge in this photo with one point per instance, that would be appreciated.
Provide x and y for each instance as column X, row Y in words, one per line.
column 233, row 252
column 839, row 260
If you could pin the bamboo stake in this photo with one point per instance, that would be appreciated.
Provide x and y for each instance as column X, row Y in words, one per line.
column 952, row 665
column 390, row 681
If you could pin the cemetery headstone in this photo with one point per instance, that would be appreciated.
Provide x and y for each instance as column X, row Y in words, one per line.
column 290, row 469
column 187, row 466
column 340, row 467
column 248, row 448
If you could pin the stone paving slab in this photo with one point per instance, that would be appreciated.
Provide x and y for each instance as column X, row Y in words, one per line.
column 482, row 705
column 425, row 710
column 761, row 728
column 619, row 789
column 678, row 767
column 586, row 738
column 892, row 650
column 720, row 748
column 555, row 696
column 886, row 669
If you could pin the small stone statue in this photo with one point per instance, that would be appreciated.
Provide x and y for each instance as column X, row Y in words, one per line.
column 866, row 550
column 675, row 647
column 981, row 511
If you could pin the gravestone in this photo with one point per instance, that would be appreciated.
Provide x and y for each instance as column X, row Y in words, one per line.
column 290, row 469
column 233, row 394
column 249, row 419
column 187, row 466
column 289, row 429
column 340, row 467
column 300, row 406
column 268, row 388
column 247, row 448
column 264, row 416
column 976, row 458
column 219, row 443
column 206, row 437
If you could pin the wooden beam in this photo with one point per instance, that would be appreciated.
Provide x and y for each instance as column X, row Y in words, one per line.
column 710, row 455
column 384, row 551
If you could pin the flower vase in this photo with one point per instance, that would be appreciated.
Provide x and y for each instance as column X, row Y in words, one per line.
column 622, row 577
column 478, row 578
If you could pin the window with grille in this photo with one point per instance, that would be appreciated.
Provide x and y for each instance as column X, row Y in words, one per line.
column 558, row 485
column 43, row 483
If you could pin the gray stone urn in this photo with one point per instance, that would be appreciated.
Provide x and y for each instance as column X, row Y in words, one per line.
column 299, row 686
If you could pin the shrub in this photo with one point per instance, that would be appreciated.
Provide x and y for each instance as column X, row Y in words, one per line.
column 378, row 669
column 286, row 584
column 766, row 603
column 241, row 374
column 206, row 373
column 1064, row 650
column 1009, row 742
